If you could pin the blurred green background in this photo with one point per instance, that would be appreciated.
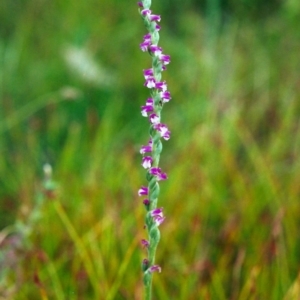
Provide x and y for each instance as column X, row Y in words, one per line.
column 71, row 87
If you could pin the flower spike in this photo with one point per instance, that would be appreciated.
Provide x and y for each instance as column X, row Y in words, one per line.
column 159, row 96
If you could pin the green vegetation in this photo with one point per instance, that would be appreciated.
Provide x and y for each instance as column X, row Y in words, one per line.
column 71, row 87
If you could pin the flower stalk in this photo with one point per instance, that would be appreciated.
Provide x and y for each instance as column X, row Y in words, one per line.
column 159, row 96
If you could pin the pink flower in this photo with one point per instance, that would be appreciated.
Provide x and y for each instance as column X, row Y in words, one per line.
column 163, row 130
column 145, row 243
column 155, row 268
column 147, row 162
column 143, row 191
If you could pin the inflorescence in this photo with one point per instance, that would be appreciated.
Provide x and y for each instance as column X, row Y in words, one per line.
column 159, row 96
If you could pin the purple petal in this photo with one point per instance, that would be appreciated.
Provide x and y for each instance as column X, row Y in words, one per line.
column 155, row 18
column 154, row 268
column 147, row 148
column 154, row 119
column 143, row 191
column 162, row 85
column 155, row 171
column 150, row 101
column 150, row 83
column 146, row 202
column 145, row 45
column 155, row 49
column 145, row 243
column 147, row 162
column 162, row 176
column 165, row 59
column 145, row 263
column 147, row 37
column 165, row 96
column 146, row 12
column 157, row 212
column 163, row 130
column 146, row 109
column 148, row 73
column 158, row 220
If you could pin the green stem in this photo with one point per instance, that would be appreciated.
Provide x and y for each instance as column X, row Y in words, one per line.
column 148, row 289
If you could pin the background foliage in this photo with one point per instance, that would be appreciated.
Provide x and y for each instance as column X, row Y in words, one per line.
column 71, row 86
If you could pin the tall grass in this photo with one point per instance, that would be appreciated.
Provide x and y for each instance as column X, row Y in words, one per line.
column 234, row 190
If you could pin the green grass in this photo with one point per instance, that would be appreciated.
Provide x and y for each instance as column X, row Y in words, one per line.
column 232, row 197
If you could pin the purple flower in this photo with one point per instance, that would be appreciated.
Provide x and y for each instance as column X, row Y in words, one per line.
column 154, row 268
column 165, row 59
column 150, row 82
column 165, row 96
column 156, row 212
column 145, row 264
column 148, row 108
column 140, row 4
column 155, row 18
column 146, row 202
column 163, row 130
column 157, row 215
column 147, row 13
column 143, row 191
column 150, row 101
column 147, row 148
column 145, row 243
column 157, row 172
column 158, row 220
column 162, row 85
column 154, row 119
column 148, row 73
column 147, row 37
column 146, row 43
column 156, row 50
column 147, row 162
column 144, row 46
column 162, row 176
